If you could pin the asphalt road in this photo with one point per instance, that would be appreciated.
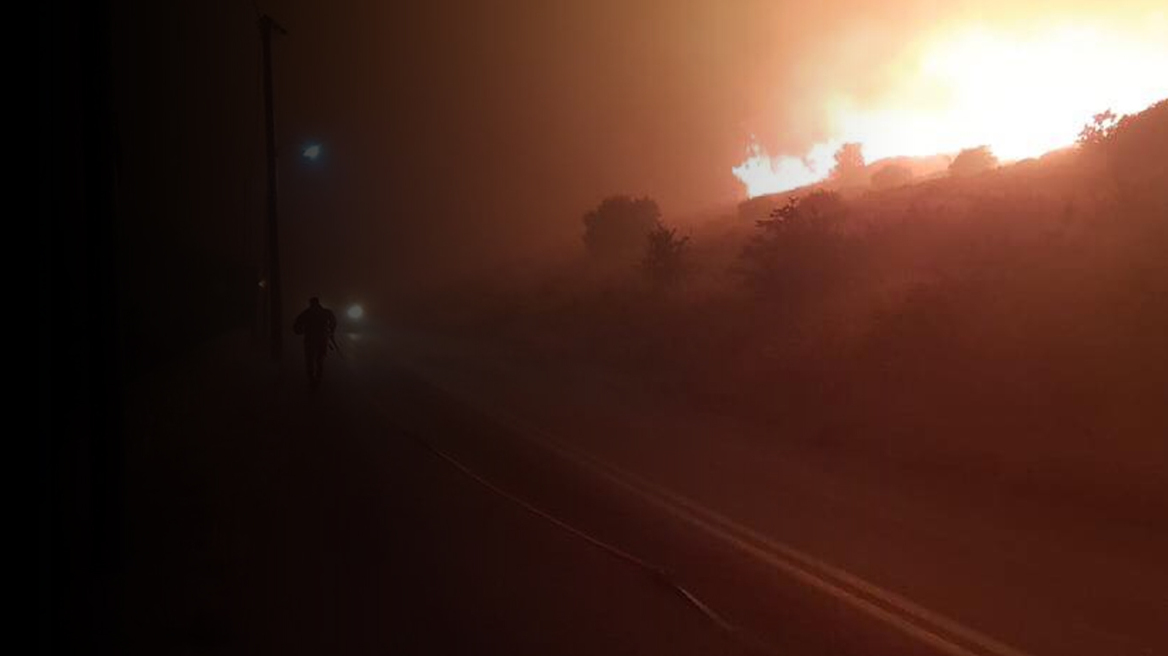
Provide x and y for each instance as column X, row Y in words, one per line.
column 988, row 565
column 267, row 520
column 391, row 513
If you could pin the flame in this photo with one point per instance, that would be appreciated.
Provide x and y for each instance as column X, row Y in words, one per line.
column 1022, row 94
column 763, row 174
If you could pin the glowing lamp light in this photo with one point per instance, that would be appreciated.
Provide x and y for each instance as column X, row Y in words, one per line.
column 311, row 152
column 356, row 311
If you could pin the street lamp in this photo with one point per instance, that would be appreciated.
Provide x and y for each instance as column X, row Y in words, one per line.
column 276, row 317
column 312, row 151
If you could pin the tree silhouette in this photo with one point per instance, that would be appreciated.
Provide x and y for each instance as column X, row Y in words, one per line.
column 797, row 248
column 616, row 231
column 663, row 256
column 1128, row 152
column 972, row 161
column 1101, row 127
column 849, row 169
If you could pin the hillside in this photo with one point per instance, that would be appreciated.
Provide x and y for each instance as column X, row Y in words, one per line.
column 1011, row 321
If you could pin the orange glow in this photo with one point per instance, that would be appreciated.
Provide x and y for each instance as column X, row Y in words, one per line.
column 1021, row 92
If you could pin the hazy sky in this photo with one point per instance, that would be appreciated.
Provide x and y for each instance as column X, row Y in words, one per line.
column 453, row 128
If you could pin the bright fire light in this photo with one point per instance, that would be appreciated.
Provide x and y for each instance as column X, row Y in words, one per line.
column 1022, row 94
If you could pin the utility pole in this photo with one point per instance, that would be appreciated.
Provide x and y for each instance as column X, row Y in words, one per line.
column 275, row 304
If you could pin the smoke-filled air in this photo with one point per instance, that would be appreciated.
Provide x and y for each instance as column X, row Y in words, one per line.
column 592, row 327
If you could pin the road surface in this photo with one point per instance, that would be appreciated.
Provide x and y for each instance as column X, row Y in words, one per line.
column 397, row 511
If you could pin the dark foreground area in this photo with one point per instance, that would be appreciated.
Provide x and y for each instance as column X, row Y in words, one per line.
column 384, row 515
column 266, row 520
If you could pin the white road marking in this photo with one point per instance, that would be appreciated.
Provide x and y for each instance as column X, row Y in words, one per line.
column 929, row 627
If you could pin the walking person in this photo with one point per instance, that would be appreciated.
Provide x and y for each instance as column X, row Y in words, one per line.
column 317, row 324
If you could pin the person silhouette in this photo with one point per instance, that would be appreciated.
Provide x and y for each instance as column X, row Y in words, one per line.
column 317, row 323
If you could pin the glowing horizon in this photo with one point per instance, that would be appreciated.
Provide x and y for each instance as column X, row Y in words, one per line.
column 1022, row 94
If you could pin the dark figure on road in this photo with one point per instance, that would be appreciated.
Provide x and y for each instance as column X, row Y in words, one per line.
column 317, row 324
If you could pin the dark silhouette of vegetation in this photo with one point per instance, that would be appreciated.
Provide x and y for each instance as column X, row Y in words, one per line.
column 1128, row 153
column 892, row 175
column 1100, row 129
column 616, row 231
column 663, row 262
column 796, row 248
column 972, row 161
column 849, row 169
